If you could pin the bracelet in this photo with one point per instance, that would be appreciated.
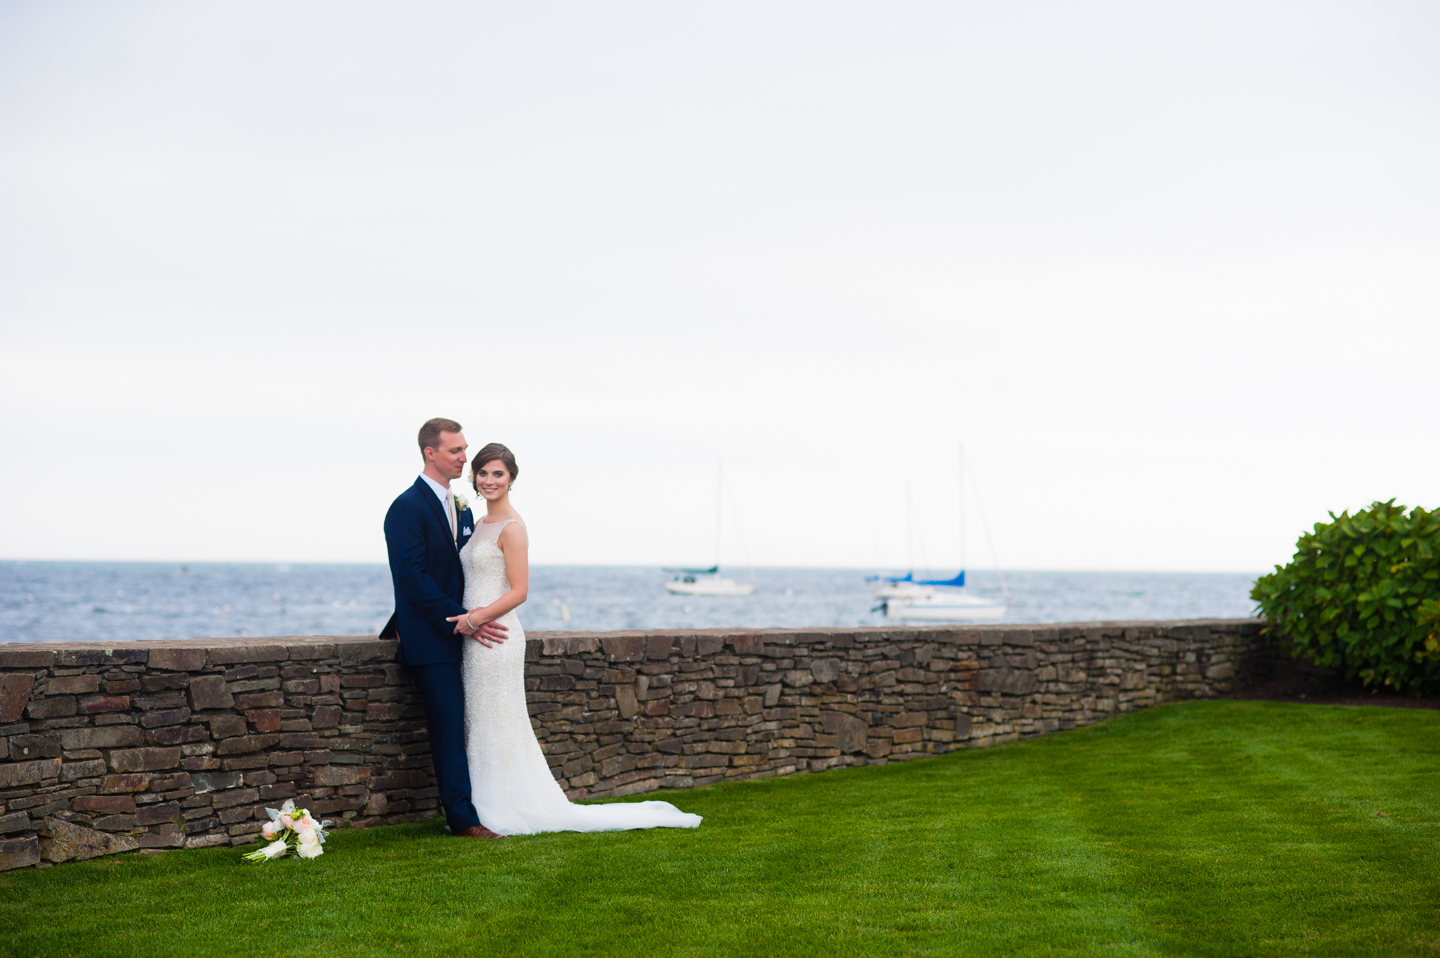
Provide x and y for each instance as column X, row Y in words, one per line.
column 473, row 628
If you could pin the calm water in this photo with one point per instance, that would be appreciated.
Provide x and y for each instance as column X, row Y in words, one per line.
column 58, row 601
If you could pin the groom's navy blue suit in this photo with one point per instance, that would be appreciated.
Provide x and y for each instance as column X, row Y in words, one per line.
column 429, row 586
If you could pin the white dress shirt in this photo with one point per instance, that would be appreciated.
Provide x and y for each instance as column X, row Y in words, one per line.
column 447, row 500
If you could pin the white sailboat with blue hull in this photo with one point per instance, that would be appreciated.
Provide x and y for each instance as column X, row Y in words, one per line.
column 906, row 599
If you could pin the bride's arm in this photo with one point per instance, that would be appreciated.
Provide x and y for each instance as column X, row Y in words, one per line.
column 516, row 547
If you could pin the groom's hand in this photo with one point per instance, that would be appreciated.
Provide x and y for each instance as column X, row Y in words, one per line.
column 490, row 634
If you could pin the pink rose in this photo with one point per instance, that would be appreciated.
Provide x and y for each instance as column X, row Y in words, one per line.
column 269, row 829
column 306, row 824
column 287, row 822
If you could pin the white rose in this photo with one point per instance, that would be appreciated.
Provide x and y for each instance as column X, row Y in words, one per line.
column 275, row 849
column 309, row 849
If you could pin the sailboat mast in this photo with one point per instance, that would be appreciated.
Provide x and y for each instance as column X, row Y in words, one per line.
column 909, row 530
column 719, row 495
column 962, row 508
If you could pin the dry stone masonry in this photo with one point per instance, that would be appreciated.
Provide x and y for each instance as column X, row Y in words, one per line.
column 182, row 744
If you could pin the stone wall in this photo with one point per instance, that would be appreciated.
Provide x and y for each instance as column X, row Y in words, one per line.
column 182, row 744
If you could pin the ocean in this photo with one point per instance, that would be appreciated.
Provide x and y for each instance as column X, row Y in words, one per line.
column 127, row 601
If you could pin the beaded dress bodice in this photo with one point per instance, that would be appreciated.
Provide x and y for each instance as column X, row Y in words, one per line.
column 484, row 564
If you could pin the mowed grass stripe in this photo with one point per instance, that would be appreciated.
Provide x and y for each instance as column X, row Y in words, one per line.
column 1281, row 806
column 1208, row 828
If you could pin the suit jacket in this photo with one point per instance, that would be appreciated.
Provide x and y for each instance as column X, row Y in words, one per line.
column 429, row 581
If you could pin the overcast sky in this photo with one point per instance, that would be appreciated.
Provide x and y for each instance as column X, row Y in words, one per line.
column 1168, row 271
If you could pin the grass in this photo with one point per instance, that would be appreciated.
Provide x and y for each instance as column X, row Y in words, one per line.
column 1205, row 828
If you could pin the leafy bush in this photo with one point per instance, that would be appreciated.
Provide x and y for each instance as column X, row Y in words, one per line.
column 1362, row 595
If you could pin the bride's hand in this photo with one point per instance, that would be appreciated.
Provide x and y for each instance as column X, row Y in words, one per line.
column 480, row 628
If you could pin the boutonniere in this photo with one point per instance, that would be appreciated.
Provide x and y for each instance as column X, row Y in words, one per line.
column 461, row 502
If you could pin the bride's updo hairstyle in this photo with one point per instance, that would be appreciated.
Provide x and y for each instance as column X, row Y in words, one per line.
column 490, row 453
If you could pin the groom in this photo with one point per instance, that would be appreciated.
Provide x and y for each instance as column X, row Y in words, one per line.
column 424, row 534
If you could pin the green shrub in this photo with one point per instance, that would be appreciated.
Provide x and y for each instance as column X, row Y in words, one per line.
column 1362, row 595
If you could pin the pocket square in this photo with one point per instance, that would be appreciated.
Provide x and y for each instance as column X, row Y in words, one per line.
column 467, row 531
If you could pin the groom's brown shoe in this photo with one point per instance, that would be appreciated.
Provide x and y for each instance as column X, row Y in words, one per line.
column 479, row 831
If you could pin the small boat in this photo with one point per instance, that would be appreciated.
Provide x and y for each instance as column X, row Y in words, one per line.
column 943, row 606
column 905, row 598
column 933, row 600
column 710, row 581
column 705, row 582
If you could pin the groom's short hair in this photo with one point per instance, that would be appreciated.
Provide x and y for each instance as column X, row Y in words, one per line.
column 430, row 432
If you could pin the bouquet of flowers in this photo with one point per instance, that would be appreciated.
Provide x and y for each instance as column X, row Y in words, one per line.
column 290, row 829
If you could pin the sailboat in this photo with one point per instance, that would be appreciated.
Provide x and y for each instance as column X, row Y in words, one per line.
column 709, row 581
column 905, row 598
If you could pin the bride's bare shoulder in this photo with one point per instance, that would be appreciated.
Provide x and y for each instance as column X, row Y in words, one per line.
column 513, row 531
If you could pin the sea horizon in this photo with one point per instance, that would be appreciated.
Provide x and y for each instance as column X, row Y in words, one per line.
column 50, row 600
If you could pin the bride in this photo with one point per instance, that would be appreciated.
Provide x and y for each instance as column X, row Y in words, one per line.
column 510, row 781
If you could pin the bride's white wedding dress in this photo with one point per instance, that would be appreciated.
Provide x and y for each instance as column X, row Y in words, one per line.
column 510, row 781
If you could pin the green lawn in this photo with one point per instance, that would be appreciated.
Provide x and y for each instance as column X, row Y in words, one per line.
column 1206, row 828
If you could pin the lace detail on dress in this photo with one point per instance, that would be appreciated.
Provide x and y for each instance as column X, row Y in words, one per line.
column 510, row 782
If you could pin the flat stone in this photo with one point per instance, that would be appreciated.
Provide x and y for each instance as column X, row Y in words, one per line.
column 88, row 768
column 214, row 781
column 156, row 814
column 179, row 735
column 92, row 704
column 135, row 782
column 51, row 706
column 72, row 684
column 750, row 643
column 103, row 804
column 19, row 853
column 165, row 717
column 13, row 658
column 45, row 745
column 64, row 841
column 16, row 774
column 245, row 744
column 335, row 775
column 110, row 736
column 259, row 700
column 227, row 726
column 303, row 653
column 210, row 692
column 169, row 699
column 14, row 822
column 236, row 797
column 165, row 835
column 116, row 823
column 326, row 716
column 178, row 659
column 166, row 783
column 825, row 670
column 239, row 654
column 626, row 701
column 624, row 648
column 14, row 695
column 1008, row 681
column 851, row 733
column 361, row 651
column 144, row 759
column 264, row 720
